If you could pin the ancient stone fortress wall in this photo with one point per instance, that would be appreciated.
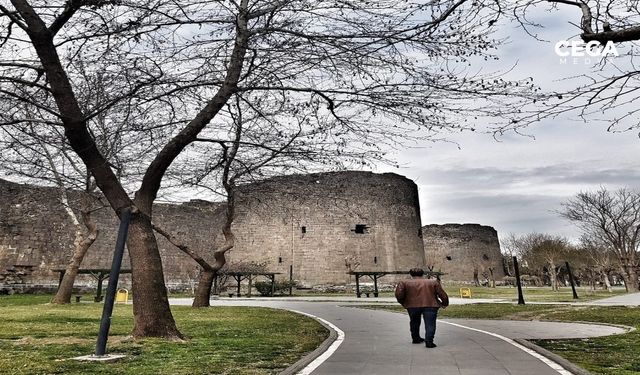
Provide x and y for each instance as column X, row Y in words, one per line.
column 459, row 249
column 313, row 224
column 37, row 235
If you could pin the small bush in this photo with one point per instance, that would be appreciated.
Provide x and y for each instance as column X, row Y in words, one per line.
column 281, row 287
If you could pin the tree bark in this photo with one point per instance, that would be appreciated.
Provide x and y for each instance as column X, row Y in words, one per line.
column 82, row 244
column 151, row 311
column 553, row 276
column 492, row 278
column 631, row 279
column 206, row 277
column 607, row 283
column 203, row 292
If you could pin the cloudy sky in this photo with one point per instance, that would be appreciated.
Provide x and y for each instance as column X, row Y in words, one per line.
column 517, row 183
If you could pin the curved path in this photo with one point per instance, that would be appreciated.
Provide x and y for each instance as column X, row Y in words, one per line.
column 378, row 342
column 629, row 299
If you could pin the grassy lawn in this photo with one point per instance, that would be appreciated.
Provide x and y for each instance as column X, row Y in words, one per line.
column 614, row 355
column 611, row 355
column 533, row 294
column 36, row 338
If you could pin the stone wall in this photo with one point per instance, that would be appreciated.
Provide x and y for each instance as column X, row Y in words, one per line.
column 307, row 222
column 36, row 231
column 320, row 223
column 459, row 249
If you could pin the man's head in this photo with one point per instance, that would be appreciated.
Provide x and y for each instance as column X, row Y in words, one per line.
column 416, row 272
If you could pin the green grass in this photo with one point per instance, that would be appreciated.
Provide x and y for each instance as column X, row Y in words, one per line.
column 533, row 294
column 485, row 311
column 610, row 355
column 40, row 339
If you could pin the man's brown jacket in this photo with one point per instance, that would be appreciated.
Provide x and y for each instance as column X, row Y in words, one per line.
column 421, row 292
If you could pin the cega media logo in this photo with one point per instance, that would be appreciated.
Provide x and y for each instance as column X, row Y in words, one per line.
column 578, row 52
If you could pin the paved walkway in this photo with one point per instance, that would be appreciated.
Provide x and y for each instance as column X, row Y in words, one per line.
column 378, row 342
column 630, row 299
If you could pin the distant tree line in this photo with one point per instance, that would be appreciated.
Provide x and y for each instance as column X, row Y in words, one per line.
column 606, row 253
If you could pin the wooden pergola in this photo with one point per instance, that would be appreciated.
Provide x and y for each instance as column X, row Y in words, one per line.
column 375, row 275
column 240, row 276
column 100, row 274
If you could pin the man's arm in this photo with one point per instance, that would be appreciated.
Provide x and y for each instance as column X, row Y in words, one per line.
column 442, row 295
column 400, row 292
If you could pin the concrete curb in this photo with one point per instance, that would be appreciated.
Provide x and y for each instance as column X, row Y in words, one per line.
column 569, row 366
column 572, row 368
column 621, row 326
column 307, row 359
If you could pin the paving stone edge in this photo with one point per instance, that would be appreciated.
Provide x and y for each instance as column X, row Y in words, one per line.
column 304, row 361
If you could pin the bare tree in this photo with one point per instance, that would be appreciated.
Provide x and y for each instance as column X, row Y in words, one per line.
column 384, row 71
column 613, row 218
column 600, row 260
column 511, row 247
column 543, row 254
column 257, row 144
column 608, row 93
column 553, row 250
column 44, row 156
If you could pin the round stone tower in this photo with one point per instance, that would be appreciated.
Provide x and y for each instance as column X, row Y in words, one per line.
column 320, row 226
column 463, row 251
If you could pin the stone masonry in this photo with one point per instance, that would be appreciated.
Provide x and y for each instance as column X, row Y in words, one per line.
column 318, row 226
column 459, row 250
column 317, row 223
column 321, row 223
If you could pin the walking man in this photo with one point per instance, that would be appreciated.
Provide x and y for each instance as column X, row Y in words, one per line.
column 422, row 298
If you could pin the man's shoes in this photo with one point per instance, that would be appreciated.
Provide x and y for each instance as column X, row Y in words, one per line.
column 430, row 345
column 418, row 341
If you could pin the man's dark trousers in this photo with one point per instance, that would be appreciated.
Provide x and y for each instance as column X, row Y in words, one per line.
column 429, row 314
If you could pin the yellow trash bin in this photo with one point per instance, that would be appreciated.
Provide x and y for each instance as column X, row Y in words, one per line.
column 465, row 293
column 122, row 295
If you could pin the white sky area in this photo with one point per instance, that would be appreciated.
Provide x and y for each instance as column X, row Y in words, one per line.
column 517, row 184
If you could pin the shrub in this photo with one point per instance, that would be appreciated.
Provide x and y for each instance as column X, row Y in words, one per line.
column 264, row 287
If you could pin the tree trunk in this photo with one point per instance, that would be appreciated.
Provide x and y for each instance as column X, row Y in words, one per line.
column 152, row 315
column 203, row 292
column 476, row 282
column 553, row 278
column 81, row 244
column 631, row 280
column 206, row 279
column 607, row 283
column 492, row 278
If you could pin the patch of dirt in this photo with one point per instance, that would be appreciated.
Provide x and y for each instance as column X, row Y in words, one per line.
column 29, row 340
column 534, row 315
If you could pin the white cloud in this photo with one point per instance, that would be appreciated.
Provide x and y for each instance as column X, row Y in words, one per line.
column 516, row 184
